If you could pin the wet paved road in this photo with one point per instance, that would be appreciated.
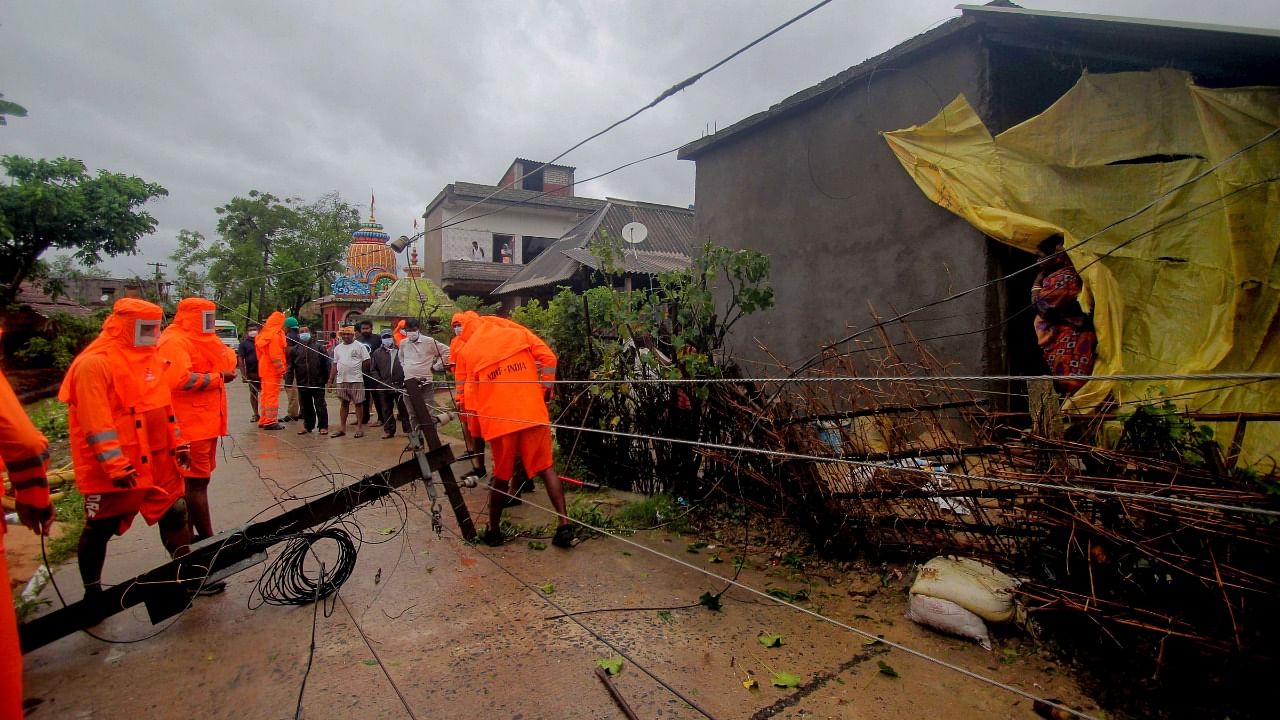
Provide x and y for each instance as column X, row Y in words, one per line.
column 461, row 638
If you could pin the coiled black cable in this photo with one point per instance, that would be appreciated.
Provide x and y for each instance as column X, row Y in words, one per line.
column 286, row 580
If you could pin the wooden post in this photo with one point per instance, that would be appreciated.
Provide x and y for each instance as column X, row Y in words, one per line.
column 424, row 432
column 1046, row 417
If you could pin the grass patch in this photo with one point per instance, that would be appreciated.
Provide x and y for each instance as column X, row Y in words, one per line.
column 453, row 428
column 50, row 417
column 70, row 514
column 655, row 511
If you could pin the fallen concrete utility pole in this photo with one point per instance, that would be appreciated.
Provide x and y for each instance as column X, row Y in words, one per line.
column 167, row 589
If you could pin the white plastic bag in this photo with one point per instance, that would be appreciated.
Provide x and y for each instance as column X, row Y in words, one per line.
column 973, row 585
column 948, row 617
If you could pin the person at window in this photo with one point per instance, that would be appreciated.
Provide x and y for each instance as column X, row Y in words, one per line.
column 477, row 252
column 1063, row 330
column 506, row 253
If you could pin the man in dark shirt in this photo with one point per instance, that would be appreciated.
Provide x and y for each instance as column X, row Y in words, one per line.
column 364, row 334
column 248, row 355
column 309, row 364
column 387, row 370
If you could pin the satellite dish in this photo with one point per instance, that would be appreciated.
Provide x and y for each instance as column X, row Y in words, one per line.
column 634, row 232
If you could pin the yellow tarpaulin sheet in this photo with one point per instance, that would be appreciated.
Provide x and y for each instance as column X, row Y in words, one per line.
column 1189, row 285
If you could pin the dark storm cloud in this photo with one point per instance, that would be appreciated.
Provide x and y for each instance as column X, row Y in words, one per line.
column 214, row 99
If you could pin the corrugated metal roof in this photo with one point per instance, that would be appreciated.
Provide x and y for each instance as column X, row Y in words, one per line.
column 642, row 262
column 671, row 237
column 994, row 11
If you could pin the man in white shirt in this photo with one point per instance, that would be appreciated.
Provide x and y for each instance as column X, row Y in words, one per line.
column 350, row 359
column 420, row 353
column 477, row 252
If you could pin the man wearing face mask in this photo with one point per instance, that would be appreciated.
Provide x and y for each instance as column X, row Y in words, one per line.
column 125, row 443
column 388, row 372
column 365, row 336
column 198, row 368
column 290, row 383
column 248, row 354
column 310, row 366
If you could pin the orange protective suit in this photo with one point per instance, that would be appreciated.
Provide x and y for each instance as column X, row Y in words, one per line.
column 270, row 345
column 24, row 452
column 122, row 422
column 504, row 363
column 195, row 360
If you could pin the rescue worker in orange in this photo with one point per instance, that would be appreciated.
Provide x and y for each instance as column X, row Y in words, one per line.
column 507, row 374
column 270, row 345
column 470, row 423
column 198, row 367
column 24, row 453
column 125, row 443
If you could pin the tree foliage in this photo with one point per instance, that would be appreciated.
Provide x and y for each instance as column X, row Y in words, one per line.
column 676, row 330
column 275, row 252
column 58, row 204
column 10, row 108
column 471, row 302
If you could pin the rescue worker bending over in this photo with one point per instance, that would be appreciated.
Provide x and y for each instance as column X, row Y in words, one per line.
column 24, row 452
column 270, row 346
column 125, row 442
column 507, row 371
column 198, row 368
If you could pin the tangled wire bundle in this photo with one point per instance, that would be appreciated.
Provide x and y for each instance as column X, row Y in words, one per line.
column 287, row 580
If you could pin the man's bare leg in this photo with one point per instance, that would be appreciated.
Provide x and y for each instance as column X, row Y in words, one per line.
column 198, row 506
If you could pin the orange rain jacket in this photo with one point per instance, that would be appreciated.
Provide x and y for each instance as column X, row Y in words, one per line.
column 270, row 345
column 195, row 363
column 504, row 363
column 24, row 452
column 115, row 392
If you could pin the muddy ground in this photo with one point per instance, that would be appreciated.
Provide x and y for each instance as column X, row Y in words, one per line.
column 462, row 631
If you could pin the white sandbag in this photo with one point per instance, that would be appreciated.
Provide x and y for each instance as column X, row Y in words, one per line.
column 948, row 617
column 973, row 585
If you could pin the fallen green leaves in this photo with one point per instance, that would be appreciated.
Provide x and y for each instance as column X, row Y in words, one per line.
column 710, row 602
column 537, row 545
column 611, row 665
column 770, row 641
column 665, row 616
column 886, row 669
column 694, row 547
column 873, row 641
column 785, row 680
column 547, row 588
column 800, row 595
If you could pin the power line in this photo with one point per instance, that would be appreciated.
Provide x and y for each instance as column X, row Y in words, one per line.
column 682, row 85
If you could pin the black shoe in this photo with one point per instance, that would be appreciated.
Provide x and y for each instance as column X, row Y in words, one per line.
column 253, row 419
column 272, row 426
column 492, row 538
column 564, row 537
column 512, row 502
column 526, row 486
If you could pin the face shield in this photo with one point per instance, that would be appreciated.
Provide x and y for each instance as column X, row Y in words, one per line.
column 146, row 333
column 208, row 321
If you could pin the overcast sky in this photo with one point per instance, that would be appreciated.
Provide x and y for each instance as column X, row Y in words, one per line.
column 213, row 99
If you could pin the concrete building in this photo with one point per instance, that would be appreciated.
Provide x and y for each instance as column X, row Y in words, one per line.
column 478, row 235
column 811, row 182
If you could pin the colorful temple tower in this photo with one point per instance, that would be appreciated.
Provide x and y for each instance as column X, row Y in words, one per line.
column 370, row 272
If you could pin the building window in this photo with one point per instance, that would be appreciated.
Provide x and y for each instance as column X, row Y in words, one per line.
column 532, row 247
column 502, row 249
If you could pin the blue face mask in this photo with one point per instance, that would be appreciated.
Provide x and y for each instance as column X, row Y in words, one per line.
column 386, row 342
column 304, row 337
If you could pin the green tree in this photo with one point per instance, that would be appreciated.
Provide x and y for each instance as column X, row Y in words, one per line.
column 8, row 107
column 191, row 262
column 306, row 260
column 276, row 253
column 58, row 204
column 471, row 302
